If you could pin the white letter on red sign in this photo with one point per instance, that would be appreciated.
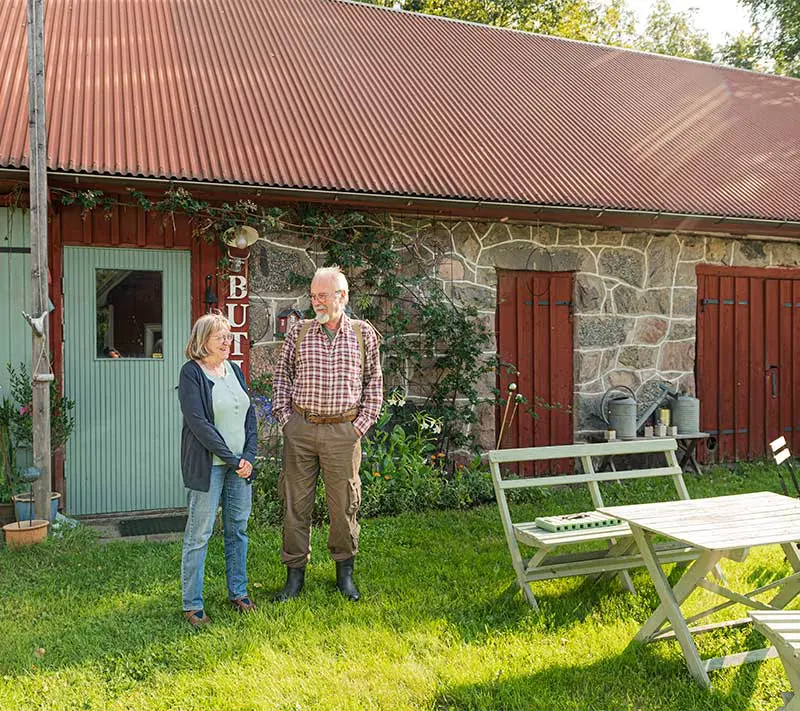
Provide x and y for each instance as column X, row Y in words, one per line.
column 231, row 308
column 237, row 343
column 237, row 286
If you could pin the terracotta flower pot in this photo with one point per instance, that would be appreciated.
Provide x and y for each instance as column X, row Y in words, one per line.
column 25, row 533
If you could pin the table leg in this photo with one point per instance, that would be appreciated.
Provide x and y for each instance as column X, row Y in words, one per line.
column 792, row 589
column 688, row 448
column 669, row 609
column 793, row 705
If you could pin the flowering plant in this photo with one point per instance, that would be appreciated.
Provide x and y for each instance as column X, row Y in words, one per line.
column 390, row 451
column 62, row 419
column 7, row 459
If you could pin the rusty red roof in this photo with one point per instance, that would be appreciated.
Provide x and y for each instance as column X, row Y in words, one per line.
column 326, row 94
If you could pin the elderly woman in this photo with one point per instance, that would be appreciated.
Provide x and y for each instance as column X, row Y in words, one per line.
column 218, row 446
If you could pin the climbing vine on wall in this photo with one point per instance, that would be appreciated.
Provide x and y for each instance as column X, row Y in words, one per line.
column 432, row 344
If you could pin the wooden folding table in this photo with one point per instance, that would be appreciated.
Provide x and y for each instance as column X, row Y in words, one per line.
column 722, row 527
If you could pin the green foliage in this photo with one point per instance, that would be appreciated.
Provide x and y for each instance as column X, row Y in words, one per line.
column 62, row 419
column 208, row 221
column 778, row 25
column 744, row 51
column 16, row 424
column 7, row 458
column 675, row 34
column 87, row 200
column 261, row 384
column 575, row 19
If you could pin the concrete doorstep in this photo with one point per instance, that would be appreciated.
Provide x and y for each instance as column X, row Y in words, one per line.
column 138, row 526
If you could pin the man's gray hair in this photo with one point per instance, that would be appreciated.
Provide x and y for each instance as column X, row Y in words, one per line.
column 334, row 271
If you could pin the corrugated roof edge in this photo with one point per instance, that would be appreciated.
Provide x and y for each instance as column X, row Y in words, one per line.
column 421, row 202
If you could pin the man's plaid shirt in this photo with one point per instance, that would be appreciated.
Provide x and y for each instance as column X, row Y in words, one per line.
column 328, row 379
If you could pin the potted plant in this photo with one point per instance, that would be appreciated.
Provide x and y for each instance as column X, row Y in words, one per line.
column 21, row 533
column 62, row 422
column 7, row 462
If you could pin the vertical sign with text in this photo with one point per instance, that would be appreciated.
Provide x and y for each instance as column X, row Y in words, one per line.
column 236, row 306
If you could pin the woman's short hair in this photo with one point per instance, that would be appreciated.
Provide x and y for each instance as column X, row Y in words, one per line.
column 205, row 327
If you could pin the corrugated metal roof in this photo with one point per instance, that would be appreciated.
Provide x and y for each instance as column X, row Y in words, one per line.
column 343, row 96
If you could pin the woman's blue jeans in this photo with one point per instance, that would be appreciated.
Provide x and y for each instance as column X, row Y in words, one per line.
column 235, row 495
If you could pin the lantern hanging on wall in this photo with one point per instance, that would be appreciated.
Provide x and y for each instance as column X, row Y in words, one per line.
column 239, row 239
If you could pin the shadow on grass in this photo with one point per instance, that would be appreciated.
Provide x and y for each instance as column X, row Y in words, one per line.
column 638, row 679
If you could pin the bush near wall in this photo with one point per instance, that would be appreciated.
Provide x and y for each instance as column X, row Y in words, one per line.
column 401, row 470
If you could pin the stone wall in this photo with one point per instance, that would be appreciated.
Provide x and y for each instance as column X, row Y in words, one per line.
column 634, row 296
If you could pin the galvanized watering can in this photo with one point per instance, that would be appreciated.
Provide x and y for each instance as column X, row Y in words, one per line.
column 685, row 411
column 619, row 411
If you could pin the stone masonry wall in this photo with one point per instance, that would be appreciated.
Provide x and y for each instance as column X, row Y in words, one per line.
column 634, row 296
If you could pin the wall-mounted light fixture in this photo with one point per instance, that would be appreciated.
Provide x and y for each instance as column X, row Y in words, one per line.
column 240, row 238
column 210, row 298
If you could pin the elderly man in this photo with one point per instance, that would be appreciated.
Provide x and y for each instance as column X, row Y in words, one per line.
column 327, row 392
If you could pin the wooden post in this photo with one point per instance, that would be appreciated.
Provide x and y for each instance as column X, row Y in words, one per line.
column 40, row 365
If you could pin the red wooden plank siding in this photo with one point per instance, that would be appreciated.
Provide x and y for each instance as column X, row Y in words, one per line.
column 743, row 354
column 795, row 360
column 529, row 346
column 535, row 335
column 561, row 361
column 756, row 335
column 748, row 366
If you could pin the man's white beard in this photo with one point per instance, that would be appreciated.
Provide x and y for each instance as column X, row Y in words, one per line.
column 322, row 316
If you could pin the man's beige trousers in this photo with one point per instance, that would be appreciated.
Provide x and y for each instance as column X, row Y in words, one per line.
column 335, row 451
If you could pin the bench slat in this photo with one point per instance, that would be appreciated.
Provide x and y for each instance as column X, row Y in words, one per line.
column 570, row 451
column 586, row 478
column 592, row 563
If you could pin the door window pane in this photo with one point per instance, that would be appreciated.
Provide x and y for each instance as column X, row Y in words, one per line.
column 129, row 313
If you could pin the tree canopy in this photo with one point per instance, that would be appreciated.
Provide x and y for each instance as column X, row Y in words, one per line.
column 675, row 34
column 773, row 44
column 776, row 38
column 574, row 19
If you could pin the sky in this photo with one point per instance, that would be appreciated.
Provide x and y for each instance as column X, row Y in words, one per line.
column 714, row 16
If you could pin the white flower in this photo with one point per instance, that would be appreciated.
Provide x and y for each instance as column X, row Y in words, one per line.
column 429, row 422
column 396, row 398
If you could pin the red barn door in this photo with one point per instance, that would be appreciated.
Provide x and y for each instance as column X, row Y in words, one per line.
column 748, row 359
column 534, row 325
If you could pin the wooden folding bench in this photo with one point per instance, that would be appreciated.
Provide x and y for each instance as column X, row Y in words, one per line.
column 618, row 552
column 782, row 629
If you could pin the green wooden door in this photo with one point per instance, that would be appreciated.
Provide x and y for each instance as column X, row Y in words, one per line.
column 125, row 452
column 15, row 292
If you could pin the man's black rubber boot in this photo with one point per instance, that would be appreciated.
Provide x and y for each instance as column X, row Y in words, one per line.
column 344, row 579
column 295, row 577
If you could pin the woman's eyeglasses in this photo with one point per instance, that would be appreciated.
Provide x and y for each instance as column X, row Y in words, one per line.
column 223, row 337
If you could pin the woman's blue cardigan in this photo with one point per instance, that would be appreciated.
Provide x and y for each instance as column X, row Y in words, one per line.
column 200, row 439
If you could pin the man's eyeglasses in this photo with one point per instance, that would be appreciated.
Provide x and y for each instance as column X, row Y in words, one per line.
column 323, row 296
column 223, row 337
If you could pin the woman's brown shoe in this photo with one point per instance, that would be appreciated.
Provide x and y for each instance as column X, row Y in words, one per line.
column 243, row 604
column 197, row 618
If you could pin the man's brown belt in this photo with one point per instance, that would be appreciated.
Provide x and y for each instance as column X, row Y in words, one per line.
column 348, row 416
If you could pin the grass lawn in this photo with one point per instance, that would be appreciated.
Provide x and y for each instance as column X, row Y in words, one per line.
column 98, row 626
